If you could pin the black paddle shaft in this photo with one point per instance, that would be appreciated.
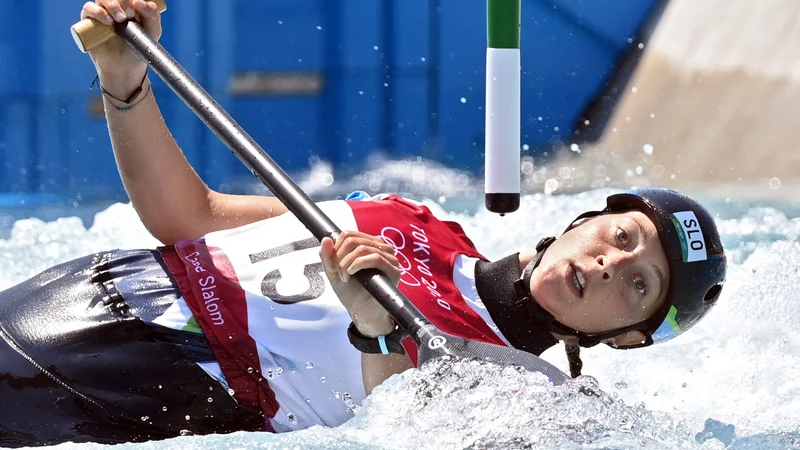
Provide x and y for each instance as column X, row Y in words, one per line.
column 404, row 312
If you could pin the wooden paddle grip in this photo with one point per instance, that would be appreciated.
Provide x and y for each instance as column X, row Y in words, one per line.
column 89, row 33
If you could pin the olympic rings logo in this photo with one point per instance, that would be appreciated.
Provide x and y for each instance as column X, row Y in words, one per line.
column 397, row 240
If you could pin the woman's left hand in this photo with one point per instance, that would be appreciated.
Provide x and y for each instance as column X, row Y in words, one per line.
column 355, row 251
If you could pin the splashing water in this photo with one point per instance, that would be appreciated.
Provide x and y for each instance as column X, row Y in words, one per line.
column 731, row 382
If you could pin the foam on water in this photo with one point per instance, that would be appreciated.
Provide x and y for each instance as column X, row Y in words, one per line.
column 731, row 382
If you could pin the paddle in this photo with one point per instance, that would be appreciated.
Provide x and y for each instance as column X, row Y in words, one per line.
column 432, row 342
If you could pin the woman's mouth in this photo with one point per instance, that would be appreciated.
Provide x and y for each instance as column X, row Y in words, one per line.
column 576, row 280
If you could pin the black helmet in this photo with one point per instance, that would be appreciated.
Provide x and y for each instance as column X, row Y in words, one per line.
column 694, row 251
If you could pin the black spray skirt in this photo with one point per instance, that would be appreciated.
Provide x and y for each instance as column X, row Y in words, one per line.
column 79, row 361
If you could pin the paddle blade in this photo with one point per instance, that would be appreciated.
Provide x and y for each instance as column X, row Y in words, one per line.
column 433, row 343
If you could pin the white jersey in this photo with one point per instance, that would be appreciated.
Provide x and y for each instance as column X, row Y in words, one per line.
column 262, row 288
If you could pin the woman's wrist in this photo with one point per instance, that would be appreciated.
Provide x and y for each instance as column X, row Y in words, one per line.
column 122, row 84
column 373, row 321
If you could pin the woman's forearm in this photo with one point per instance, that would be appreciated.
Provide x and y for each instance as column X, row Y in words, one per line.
column 171, row 199
column 375, row 368
column 167, row 193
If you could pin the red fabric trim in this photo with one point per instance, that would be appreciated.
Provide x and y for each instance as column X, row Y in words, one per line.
column 211, row 289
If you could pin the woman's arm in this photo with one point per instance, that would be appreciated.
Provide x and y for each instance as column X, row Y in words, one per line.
column 375, row 369
column 355, row 251
column 171, row 199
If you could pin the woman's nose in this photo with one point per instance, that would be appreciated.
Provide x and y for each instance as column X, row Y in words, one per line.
column 611, row 262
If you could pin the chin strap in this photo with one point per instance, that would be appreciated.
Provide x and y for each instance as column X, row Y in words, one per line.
column 525, row 297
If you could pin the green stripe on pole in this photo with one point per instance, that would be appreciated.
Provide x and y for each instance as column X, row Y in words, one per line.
column 502, row 23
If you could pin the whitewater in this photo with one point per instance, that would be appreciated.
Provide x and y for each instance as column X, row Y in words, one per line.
column 731, row 382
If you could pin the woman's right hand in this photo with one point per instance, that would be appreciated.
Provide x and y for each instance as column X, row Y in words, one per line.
column 114, row 60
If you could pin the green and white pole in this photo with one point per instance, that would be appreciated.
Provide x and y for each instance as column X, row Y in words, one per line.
column 503, row 109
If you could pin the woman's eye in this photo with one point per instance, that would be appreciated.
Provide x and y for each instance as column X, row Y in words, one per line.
column 622, row 236
column 641, row 286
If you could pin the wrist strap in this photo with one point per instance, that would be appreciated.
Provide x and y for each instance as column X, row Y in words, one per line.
column 129, row 100
column 382, row 345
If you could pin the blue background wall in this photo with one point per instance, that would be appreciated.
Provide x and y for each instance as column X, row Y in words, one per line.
column 402, row 76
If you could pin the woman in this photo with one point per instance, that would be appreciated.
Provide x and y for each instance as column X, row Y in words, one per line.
column 231, row 325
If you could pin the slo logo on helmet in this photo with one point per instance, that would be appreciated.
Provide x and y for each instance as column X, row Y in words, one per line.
column 693, row 243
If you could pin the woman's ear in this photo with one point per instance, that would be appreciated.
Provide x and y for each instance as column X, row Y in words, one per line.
column 629, row 338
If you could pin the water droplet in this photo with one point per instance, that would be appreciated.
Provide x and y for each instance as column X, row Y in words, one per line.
column 308, row 400
column 463, row 100
column 360, row 92
column 385, row 84
column 145, row 418
column 586, row 122
column 550, row 186
column 230, row 392
column 641, row 45
column 249, row 370
column 159, row 386
column 185, row 433
column 375, row 47
column 280, row 22
column 526, row 147
column 575, row 148
column 630, row 40
column 647, row 149
column 422, row 59
column 774, row 183
column 319, row 27
column 322, row 380
column 684, row 385
column 639, row 170
column 278, row 371
column 335, row 393
column 292, row 418
column 187, row 417
column 210, row 400
column 620, row 385
column 270, row 374
column 634, row 89
column 163, row 408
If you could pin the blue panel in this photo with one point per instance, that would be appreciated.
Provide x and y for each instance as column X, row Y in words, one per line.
column 360, row 28
column 563, row 68
column 395, row 74
column 284, row 127
column 462, row 75
column 271, row 37
column 412, row 75
column 16, row 125
column 410, row 38
column 88, row 155
column 410, row 112
column 19, row 48
column 64, row 69
column 613, row 20
column 360, row 117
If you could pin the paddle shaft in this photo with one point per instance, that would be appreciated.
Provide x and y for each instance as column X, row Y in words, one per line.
column 265, row 169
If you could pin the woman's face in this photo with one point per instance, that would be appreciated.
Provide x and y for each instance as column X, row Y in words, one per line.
column 607, row 273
